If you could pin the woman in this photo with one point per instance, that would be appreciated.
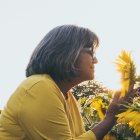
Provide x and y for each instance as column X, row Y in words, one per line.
column 42, row 107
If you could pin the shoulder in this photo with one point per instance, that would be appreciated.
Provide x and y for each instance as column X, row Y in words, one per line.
column 33, row 81
column 41, row 85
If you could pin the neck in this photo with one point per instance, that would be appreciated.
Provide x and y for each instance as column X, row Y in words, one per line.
column 65, row 85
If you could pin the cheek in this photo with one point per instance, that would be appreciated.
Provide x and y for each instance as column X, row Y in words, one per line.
column 84, row 62
column 87, row 62
column 86, row 66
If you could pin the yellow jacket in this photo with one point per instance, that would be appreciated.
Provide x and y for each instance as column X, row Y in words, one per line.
column 38, row 111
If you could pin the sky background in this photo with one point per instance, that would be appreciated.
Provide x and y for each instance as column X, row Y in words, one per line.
column 23, row 23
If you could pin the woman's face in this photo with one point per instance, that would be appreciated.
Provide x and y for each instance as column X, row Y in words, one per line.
column 86, row 63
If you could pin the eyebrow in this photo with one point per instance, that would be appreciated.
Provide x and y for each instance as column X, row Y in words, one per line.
column 88, row 50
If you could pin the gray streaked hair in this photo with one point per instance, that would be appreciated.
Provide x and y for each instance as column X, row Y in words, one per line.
column 58, row 52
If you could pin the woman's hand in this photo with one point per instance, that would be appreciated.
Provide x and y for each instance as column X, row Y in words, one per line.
column 117, row 104
column 115, row 107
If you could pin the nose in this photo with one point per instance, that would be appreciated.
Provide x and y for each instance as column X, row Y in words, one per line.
column 95, row 60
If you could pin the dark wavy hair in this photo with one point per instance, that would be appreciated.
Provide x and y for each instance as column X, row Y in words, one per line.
column 58, row 52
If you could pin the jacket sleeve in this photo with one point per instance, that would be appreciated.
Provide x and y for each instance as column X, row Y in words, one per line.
column 42, row 116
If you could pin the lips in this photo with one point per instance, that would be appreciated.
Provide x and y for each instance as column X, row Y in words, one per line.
column 91, row 67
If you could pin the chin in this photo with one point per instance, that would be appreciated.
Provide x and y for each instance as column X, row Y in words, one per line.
column 91, row 77
column 87, row 77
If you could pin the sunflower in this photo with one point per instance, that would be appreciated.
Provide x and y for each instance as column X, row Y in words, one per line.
column 132, row 118
column 99, row 106
column 127, row 69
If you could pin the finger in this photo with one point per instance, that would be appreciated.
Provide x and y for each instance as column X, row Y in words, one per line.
column 131, row 92
column 131, row 88
column 116, row 96
column 131, row 95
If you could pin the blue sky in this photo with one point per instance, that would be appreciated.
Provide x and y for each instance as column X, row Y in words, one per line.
column 23, row 23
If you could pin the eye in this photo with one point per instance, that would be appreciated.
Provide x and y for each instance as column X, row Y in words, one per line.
column 90, row 52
